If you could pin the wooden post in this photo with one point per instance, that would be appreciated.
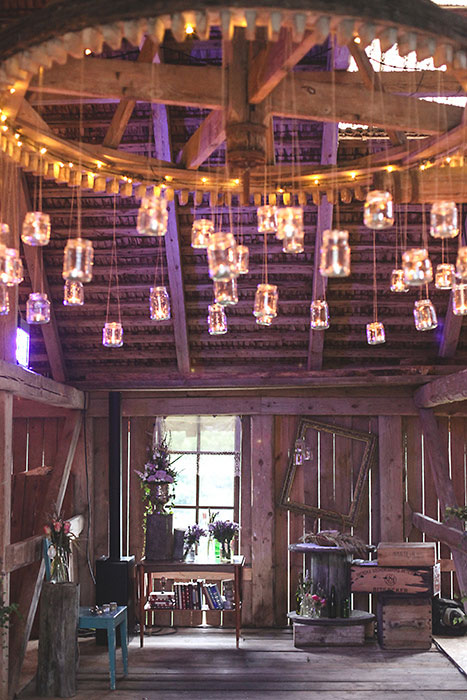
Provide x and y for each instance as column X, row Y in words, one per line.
column 6, row 432
column 390, row 476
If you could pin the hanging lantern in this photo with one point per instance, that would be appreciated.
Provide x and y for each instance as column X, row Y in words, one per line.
column 4, row 300
column 319, row 314
column 417, row 267
column 36, row 228
column 225, row 292
column 152, row 216
column 290, row 228
column 78, row 260
column 243, row 255
column 443, row 220
column 267, row 222
column 444, row 276
column 459, row 299
column 159, row 304
column 266, row 299
column 73, row 293
column 217, row 320
column 378, row 212
column 200, row 232
column 222, row 256
column 14, row 267
column 112, row 335
column 294, row 244
column 425, row 315
column 37, row 308
column 264, row 320
column 461, row 263
column 397, row 281
column 335, row 254
column 375, row 333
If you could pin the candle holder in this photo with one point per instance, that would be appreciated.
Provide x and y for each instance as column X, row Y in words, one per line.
column 335, row 254
column 264, row 320
column 152, row 216
column 37, row 308
column 159, row 304
column 425, row 315
column 36, row 228
column 445, row 276
column 225, row 292
column 267, row 222
column 417, row 267
column 290, row 229
column 378, row 211
column 222, row 256
column 200, row 233
column 443, row 220
column 459, row 299
column 14, row 272
column 243, row 256
column 112, row 335
column 73, row 293
column 266, row 300
column 78, row 260
column 375, row 333
column 4, row 300
column 217, row 320
column 461, row 263
column 319, row 310
column 397, row 281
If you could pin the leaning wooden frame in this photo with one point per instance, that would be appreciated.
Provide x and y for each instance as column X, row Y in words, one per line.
column 369, row 440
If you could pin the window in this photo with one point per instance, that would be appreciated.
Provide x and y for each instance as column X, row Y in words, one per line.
column 207, row 452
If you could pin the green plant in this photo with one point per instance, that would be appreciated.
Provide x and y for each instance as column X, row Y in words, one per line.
column 6, row 613
column 460, row 512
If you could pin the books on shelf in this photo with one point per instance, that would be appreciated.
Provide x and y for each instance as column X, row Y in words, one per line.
column 193, row 595
column 159, row 600
column 213, row 597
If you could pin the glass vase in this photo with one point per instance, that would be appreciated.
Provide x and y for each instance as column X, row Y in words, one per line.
column 226, row 551
column 60, row 566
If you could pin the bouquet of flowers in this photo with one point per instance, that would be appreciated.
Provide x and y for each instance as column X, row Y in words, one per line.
column 193, row 533
column 157, row 477
column 58, row 533
column 224, row 531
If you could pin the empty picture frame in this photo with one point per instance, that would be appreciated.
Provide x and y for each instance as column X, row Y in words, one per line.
column 369, row 443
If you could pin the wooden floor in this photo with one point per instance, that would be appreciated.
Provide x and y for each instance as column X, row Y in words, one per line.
column 203, row 664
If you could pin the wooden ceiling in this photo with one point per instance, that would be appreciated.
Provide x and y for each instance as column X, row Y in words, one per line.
column 181, row 352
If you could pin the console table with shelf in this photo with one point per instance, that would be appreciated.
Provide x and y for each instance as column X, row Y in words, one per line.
column 183, row 570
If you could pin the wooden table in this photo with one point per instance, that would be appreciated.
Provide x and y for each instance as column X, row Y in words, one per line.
column 109, row 621
column 184, row 570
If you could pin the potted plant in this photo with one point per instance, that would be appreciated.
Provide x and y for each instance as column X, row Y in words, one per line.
column 224, row 531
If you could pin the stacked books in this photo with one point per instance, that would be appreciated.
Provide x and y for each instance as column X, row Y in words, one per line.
column 159, row 600
column 188, row 596
column 213, row 596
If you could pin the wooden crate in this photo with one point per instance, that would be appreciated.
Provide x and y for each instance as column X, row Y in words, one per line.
column 337, row 635
column 372, row 578
column 406, row 554
column 404, row 623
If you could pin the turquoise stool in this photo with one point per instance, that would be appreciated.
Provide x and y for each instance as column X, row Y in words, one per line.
column 109, row 621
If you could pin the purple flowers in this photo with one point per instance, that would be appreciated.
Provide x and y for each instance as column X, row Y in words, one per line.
column 158, row 469
column 223, row 530
column 193, row 533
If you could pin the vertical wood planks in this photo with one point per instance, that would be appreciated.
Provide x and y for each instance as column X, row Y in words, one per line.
column 443, row 549
column 458, row 456
column 414, row 472
column 390, row 474
column 6, row 458
column 245, row 516
column 101, row 486
column 361, row 527
column 139, row 440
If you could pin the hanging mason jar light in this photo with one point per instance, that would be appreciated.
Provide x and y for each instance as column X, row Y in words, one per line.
column 159, row 304
column 335, row 254
column 424, row 314
column 200, row 232
column 4, row 300
column 290, row 229
column 444, row 276
column 378, row 211
column 112, row 334
column 397, row 281
column 443, row 220
column 267, row 222
column 36, row 228
column 243, row 256
column 266, row 300
column 264, row 320
column 152, row 216
column 319, row 314
column 461, row 263
column 375, row 333
column 222, row 256
column 73, row 293
column 37, row 308
column 417, row 267
column 294, row 244
column 78, row 260
column 459, row 299
column 14, row 268
column 217, row 320
column 225, row 292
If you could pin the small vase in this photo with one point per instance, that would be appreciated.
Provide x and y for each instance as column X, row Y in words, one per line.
column 60, row 567
column 226, row 551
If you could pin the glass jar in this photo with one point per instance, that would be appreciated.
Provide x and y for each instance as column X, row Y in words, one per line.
column 222, row 256
column 397, row 281
column 264, row 320
column 200, row 232
column 36, row 228
column 267, row 222
column 444, row 276
column 425, row 315
column 319, row 314
column 37, row 308
column 459, row 299
column 290, row 228
column 225, row 292
column 112, row 335
column 217, row 320
column 335, row 254
column 4, row 300
column 378, row 211
column 243, row 255
column 153, row 216
column 443, row 220
column 11, row 268
column 417, row 267
column 159, row 304
column 73, row 293
column 78, row 260
column 375, row 333
column 461, row 263
column 266, row 300
column 294, row 244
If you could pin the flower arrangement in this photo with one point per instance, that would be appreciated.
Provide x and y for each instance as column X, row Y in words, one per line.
column 59, row 534
column 224, row 531
column 192, row 536
column 309, row 604
column 157, row 477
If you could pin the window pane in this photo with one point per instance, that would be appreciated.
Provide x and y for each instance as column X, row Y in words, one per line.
column 184, row 517
column 216, row 480
column 182, row 433
column 218, row 433
column 185, row 488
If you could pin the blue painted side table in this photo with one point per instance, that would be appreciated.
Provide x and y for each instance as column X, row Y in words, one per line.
column 110, row 622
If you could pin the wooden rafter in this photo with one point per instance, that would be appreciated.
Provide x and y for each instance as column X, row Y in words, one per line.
column 443, row 390
column 453, row 537
column 206, row 139
column 34, row 387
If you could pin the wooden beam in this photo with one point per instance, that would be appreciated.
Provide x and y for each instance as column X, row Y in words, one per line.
column 35, row 387
column 206, row 139
column 448, row 389
column 8, row 199
column 390, row 478
column 6, row 464
column 453, row 537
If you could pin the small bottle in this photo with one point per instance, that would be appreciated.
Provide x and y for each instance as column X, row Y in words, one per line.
column 333, row 603
column 345, row 607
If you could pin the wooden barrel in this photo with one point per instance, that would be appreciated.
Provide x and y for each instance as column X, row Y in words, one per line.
column 327, row 566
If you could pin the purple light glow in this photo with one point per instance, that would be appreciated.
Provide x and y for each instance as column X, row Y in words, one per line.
column 22, row 347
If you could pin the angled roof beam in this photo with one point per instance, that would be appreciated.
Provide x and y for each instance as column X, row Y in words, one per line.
column 452, row 323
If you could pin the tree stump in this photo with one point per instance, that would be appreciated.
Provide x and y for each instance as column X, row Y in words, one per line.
column 58, row 640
